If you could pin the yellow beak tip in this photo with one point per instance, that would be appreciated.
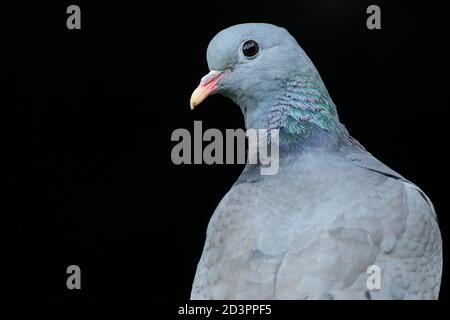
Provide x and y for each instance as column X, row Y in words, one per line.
column 197, row 97
column 207, row 86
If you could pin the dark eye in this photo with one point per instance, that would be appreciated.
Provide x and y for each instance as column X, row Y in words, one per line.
column 250, row 48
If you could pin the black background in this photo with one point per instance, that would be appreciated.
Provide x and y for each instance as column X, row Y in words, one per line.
column 89, row 116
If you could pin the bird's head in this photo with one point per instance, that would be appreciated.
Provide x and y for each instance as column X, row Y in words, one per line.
column 247, row 60
column 262, row 68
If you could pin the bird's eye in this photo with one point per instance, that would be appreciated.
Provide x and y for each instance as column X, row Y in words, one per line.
column 250, row 48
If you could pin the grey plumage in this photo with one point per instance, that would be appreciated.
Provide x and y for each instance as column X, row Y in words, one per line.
column 312, row 230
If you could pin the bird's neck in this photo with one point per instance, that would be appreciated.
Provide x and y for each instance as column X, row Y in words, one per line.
column 302, row 110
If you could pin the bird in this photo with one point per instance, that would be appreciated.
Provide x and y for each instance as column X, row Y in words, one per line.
column 330, row 215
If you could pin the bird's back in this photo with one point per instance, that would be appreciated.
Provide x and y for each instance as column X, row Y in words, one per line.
column 312, row 230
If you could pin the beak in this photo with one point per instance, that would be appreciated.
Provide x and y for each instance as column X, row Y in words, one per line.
column 207, row 86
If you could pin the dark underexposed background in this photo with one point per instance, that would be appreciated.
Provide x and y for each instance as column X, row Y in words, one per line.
column 89, row 116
